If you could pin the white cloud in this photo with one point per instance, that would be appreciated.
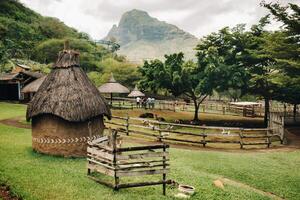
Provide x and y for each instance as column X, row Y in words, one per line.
column 198, row 17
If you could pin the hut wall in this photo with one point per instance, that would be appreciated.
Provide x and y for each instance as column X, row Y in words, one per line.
column 56, row 136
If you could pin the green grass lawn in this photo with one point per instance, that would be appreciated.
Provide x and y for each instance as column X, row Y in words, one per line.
column 36, row 176
column 9, row 110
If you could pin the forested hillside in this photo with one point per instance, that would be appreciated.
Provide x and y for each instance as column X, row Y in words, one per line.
column 27, row 37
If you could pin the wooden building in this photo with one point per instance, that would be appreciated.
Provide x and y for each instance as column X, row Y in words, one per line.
column 12, row 83
column 30, row 89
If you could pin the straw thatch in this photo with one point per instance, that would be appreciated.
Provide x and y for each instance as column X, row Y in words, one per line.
column 33, row 86
column 136, row 93
column 68, row 93
column 112, row 86
column 67, row 58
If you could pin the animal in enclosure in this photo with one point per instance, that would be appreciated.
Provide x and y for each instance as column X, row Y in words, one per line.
column 225, row 132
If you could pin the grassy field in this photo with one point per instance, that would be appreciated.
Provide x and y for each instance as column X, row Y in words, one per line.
column 9, row 110
column 36, row 176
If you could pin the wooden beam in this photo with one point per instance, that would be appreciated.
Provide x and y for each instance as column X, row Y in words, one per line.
column 142, row 155
column 142, row 172
column 128, row 185
column 101, row 154
column 139, row 148
column 100, row 169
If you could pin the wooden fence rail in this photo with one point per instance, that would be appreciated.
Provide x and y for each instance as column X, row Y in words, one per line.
column 192, row 134
column 216, row 107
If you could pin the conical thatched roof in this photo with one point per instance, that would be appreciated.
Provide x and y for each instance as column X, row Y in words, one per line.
column 68, row 93
column 136, row 93
column 112, row 86
column 34, row 85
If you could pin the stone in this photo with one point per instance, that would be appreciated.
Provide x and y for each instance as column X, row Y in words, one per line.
column 219, row 184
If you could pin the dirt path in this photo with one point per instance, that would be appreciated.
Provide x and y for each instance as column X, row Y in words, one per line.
column 293, row 135
column 5, row 193
column 15, row 122
column 248, row 187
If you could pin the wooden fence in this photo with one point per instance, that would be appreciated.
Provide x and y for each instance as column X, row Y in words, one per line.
column 276, row 123
column 208, row 107
column 105, row 156
column 192, row 134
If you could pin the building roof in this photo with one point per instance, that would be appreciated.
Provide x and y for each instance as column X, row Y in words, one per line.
column 11, row 76
column 136, row 93
column 68, row 93
column 33, row 86
column 32, row 74
column 112, row 86
column 67, row 58
column 23, row 66
column 8, row 76
column 245, row 103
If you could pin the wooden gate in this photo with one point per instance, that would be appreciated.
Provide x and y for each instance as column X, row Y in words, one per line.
column 276, row 125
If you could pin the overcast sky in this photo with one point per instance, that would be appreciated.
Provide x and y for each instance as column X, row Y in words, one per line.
column 199, row 17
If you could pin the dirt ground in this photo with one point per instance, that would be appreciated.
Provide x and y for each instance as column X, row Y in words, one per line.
column 5, row 193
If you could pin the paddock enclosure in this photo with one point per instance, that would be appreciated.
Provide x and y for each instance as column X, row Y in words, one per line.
column 196, row 135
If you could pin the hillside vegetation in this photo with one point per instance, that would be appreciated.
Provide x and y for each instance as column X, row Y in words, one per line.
column 28, row 37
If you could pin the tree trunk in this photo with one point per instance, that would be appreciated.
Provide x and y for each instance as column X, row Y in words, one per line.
column 196, row 118
column 295, row 112
column 267, row 111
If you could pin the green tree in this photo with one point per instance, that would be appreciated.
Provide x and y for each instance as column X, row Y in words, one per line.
column 195, row 81
column 284, row 47
column 90, row 53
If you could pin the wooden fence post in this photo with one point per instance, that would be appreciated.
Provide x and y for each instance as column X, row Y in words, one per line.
column 127, row 124
column 159, row 133
column 164, row 174
column 241, row 137
column 282, row 129
column 268, row 138
column 203, row 138
column 114, row 140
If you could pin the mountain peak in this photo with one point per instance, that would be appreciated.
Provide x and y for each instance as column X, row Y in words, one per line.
column 136, row 12
column 137, row 26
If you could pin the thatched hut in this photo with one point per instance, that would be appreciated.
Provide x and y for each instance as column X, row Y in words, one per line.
column 136, row 93
column 113, row 87
column 67, row 110
column 30, row 89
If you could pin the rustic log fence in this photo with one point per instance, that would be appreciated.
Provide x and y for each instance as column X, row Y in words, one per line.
column 217, row 107
column 276, row 123
column 208, row 107
column 192, row 134
column 105, row 156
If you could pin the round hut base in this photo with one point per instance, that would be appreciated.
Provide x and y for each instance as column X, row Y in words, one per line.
column 56, row 136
